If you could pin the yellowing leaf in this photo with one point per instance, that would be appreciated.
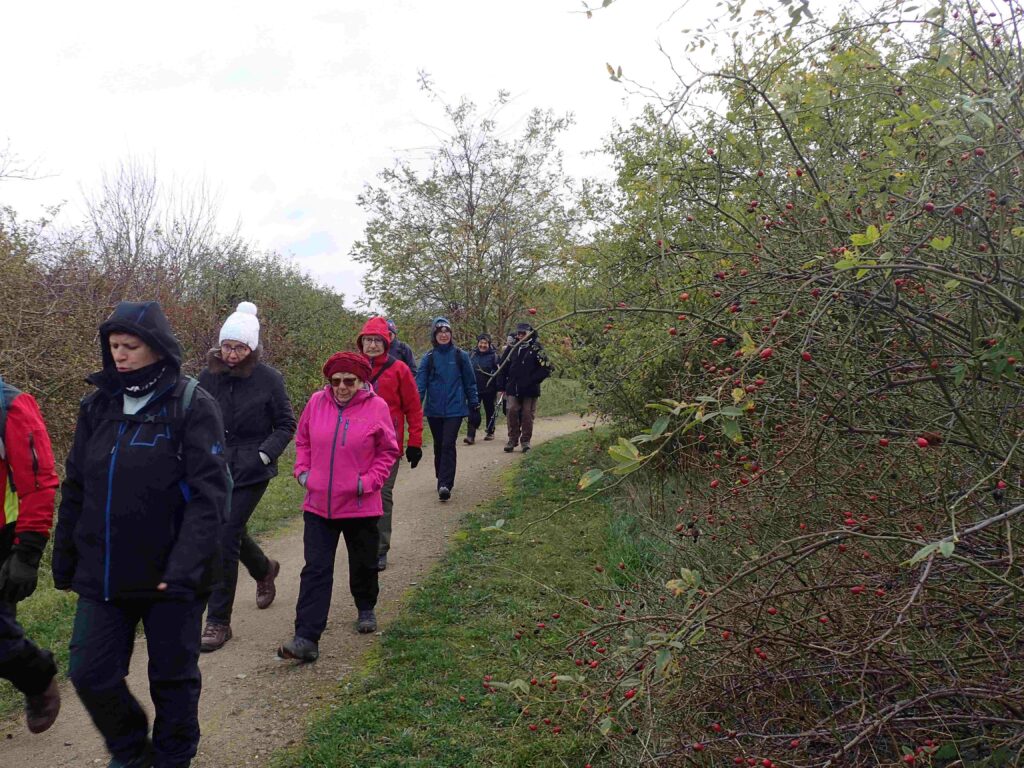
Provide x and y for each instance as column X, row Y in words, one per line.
column 738, row 394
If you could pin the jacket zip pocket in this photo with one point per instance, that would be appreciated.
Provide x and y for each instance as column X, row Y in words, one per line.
column 359, row 491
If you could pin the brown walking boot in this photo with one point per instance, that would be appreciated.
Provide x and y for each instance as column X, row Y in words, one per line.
column 265, row 589
column 41, row 710
column 214, row 637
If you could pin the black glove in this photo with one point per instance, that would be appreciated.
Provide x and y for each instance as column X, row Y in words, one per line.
column 474, row 417
column 20, row 572
column 413, row 455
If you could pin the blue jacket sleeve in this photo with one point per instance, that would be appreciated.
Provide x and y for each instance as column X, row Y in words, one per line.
column 469, row 381
column 421, row 376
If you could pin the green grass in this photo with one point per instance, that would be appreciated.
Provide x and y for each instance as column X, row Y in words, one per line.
column 404, row 708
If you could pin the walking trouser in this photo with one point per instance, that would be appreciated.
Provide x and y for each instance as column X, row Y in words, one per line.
column 445, row 432
column 521, row 412
column 316, row 582
column 25, row 665
column 236, row 544
column 387, row 497
column 102, row 640
column 488, row 400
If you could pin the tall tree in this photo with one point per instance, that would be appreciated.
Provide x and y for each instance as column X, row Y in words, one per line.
column 488, row 219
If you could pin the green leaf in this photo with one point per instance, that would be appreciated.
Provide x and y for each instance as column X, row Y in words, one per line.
column 942, row 243
column 946, row 548
column 661, row 661
column 732, row 430
column 871, row 235
column 659, row 427
column 923, row 553
column 589, row 478
column 951, row 285
column 959, row 373
column 605, row 726
column 846, row 263
column 731, row 411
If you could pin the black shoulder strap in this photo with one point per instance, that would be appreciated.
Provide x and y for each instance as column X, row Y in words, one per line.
column 373, row 379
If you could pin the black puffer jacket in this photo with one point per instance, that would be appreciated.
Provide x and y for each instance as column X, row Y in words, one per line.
column 257, row 414
column 484, row 365
column 143, row 495
column 523, row 367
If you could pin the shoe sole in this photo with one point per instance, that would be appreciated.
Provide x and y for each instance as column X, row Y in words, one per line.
column 284, row 653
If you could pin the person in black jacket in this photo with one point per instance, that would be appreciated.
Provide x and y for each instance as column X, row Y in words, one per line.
column 258, row 425
column 485, row 364
column 399, row 350
column 522, row 369
column 137, row 536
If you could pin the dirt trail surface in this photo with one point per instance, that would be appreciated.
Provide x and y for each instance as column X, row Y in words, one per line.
column 254, row 703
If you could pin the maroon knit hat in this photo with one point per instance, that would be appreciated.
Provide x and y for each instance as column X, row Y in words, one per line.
column 347, row 362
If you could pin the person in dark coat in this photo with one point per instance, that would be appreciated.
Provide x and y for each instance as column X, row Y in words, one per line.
column 137, row 536
column 485, row 365
column 399, row 350
column 258, row 425
column 523, row 367
column 28, row 484
column 446, row 382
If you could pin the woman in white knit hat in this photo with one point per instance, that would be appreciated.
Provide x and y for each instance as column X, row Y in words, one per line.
column 258, row 425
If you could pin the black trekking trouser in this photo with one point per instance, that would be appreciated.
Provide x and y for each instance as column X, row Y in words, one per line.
column 237, row 545
column 488, row 400
column 316, row 582
column 445, row 432
column 25, row 665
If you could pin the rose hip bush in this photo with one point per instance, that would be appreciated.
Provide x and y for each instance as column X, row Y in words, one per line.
column 813, row 316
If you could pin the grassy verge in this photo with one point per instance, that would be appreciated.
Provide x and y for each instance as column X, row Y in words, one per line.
column 463, row 677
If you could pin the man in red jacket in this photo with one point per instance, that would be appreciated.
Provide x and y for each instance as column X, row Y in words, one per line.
column 28, row 483
column 392, row 380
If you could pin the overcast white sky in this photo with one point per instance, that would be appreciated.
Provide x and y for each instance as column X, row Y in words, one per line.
column 287, row 109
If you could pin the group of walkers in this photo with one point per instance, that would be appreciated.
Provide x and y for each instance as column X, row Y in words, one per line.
column 165, row 472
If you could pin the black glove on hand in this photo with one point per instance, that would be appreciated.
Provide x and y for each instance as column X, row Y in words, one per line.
column 474, row 417
column 413, row 455
column 20, row 571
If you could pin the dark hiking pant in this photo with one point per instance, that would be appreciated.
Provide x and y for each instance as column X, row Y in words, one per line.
column 101, row 649
column 236, row 544
column 521, row 411
column 488, row 401
column 316, row 582
column 445, row 432
column 387, row 497
column 25, row 665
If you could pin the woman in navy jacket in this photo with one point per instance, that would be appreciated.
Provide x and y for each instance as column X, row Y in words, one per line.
column 137, row 536
column 445, row 379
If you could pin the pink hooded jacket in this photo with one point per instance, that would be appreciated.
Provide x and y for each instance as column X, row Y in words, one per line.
column 348, row 452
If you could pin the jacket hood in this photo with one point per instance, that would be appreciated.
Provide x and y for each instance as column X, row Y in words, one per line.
column 375, row 326
column 146, row 320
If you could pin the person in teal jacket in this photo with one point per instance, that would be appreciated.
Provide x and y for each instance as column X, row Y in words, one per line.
column 448, row 387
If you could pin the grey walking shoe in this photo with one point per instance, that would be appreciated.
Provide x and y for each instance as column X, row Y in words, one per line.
column 509, row 447
column 366, row 623
column 526, row 447
column 382, row 562
column 489, row 436
column 299, row 648
column 444, row 493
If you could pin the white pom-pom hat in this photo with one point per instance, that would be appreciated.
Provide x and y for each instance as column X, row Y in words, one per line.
column 242, row 325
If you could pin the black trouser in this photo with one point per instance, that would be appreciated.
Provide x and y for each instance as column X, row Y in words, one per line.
column 236, row 544
column 488, row 400
column 28, row 668
column 445, row 432
column 101, row 649
column 387, row 499
column 316, row 582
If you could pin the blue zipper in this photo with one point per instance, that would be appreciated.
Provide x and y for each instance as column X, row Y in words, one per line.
column 106, row 514
column 334, row 445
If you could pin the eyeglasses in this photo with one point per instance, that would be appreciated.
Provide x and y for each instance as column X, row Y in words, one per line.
column 444, row 330
column 348, row 381
column 233, row 349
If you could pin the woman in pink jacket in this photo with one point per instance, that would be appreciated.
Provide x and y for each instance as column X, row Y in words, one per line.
column 345, row 447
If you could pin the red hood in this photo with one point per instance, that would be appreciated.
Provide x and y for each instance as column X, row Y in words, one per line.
column 375, row 326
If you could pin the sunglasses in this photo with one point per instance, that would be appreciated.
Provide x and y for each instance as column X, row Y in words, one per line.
column 348, row 381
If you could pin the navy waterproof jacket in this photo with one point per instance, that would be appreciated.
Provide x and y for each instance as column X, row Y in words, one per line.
column 143, row 495
column 449, row 388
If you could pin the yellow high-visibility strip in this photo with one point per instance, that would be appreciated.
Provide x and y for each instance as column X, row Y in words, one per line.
column 10, row 505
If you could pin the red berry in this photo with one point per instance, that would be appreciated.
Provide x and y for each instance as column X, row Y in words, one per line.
column 980, row 151
column 630, row 693
column 806, row 357
column 884, row 442
column 698, row 747
column 532, row 310
column 772, row 611
column 672, row 331
column 922, row 442
column 766, row 353
column 929, row 206
column 1001, row 484
column 714, row 483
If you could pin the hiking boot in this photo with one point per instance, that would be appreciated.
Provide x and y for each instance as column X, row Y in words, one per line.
column 299, row 648
column 382, row 562
column 509, row 447
column 526, row 447
column 489, row 436
column 265, row 589
column 142, row 760
column 366, row 623
column 41, row 709
column 214, row 636
column 469, row 440
column 444, row 493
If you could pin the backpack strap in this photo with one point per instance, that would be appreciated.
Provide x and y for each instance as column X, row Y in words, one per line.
column 373, row 379
column 458, row 361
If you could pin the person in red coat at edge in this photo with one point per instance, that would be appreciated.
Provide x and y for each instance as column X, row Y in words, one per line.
column 28, row 484
column 345, row 448
column 392, row 380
